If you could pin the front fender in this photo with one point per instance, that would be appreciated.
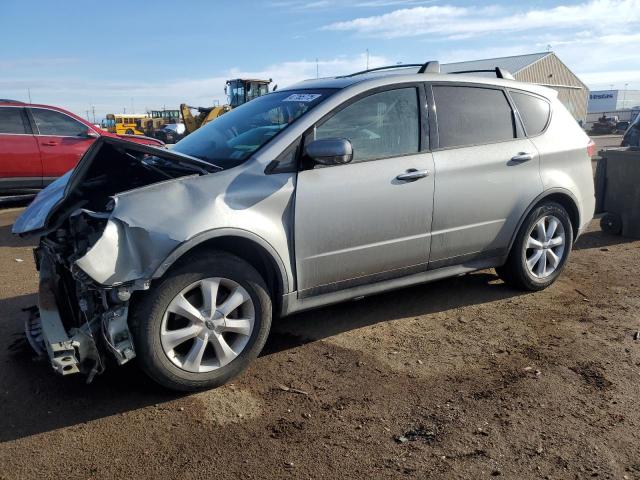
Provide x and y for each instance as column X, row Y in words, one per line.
column 151, row 227
column 199, row 239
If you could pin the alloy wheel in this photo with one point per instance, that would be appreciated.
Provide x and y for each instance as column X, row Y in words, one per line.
column 545, row 247
column 207, row 325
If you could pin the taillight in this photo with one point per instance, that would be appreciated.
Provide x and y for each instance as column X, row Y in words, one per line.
column 591, row 148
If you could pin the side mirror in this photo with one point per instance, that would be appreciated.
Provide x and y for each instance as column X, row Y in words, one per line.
column 88, row 133
column 330, row 151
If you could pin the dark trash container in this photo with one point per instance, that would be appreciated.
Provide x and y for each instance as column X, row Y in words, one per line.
column 618, row 191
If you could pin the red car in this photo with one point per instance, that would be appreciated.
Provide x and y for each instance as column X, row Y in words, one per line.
column 39, row 143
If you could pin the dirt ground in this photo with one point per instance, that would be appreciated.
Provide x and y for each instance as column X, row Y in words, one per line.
column 464, row 378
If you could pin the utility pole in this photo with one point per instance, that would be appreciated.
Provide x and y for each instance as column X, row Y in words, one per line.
column 93, row 110
column 624, row 96
column 29, row 93
column 367, row 59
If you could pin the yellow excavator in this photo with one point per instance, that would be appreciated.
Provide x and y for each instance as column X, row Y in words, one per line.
column 238, row 91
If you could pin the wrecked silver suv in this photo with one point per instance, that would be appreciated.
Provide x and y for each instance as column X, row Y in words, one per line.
column 327, row 191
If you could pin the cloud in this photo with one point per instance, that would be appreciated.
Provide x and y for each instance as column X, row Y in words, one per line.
column 31, row 63
column 463, row 22
column 618, row 78
column 79, row 95
column 334, row 4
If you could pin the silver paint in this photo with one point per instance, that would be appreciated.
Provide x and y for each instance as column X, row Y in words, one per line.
column 350, row 220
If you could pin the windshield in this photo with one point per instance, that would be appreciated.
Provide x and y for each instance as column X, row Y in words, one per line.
column 232, row 138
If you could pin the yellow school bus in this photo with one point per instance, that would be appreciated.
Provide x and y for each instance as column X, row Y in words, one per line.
column 124, row 123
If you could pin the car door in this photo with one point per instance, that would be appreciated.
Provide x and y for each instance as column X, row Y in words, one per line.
column 62, row 141
column 487, row 173
column 20, row 165
column 363, row 221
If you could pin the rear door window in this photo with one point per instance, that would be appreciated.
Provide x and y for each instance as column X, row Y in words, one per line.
column 472, row 115
column 534, row 112
column 381, row 125
column 50, row 122
column 11, row 121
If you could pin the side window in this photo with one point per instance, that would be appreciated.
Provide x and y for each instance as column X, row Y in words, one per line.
column 472, row 115
column 385, row 124
column 50, row 122
column 534, row 112
column 11, row 120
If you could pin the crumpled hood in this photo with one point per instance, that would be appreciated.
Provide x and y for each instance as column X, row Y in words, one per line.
column 35, row 216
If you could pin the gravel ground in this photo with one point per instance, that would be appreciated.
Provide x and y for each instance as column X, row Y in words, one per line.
column 464, row 378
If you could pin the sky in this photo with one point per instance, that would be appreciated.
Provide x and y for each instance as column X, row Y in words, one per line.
column 141, row 55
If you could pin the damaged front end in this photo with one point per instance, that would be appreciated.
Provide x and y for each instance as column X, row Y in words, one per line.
column 79, row 320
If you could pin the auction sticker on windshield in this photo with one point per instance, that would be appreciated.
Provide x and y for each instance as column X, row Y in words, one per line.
column 302, row 97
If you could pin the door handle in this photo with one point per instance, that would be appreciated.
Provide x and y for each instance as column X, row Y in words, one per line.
column 50, row 143
column 413, row 174
column 521, row 157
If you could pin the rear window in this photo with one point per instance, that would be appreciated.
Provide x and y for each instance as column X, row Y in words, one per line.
column 472, row 116
column 534, row 112
column 11, row 120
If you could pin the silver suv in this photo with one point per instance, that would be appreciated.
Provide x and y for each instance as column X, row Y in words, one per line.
column 329, row 190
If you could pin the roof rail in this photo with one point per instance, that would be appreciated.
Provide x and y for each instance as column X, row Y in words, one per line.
column 388, row 67
column 500, row 72
column 430, row 67
column 8, row 100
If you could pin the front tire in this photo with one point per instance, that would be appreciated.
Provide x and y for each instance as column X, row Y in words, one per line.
column 203, row 323
column 541, row 249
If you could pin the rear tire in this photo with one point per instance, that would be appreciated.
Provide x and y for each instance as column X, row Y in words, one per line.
column 541, row 249
column 611, row 223
column 217, row 344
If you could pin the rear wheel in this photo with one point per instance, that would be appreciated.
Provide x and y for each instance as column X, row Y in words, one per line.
column 541, row 249
column 611, row 223
column 203, row 323
column 128, row 131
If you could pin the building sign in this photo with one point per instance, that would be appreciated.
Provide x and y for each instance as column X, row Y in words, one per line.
column 600, row 96
column 603, row 101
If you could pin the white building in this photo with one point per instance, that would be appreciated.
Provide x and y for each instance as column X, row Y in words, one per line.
column 613, row 100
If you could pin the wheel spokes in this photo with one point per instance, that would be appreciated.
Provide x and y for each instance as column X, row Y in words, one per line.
column 199, row 335
column 541, row 268
column 541, row 230
column 239, row 325
column 534, row 259
column 173, row 338
column 182, row 307
column 193, row 359
column 553, row 259
column 556, row 242
column 237, row 298
column 224, row 352
column 533, row 243
column 544, row 248
column 209, row 288
column 551, row 229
